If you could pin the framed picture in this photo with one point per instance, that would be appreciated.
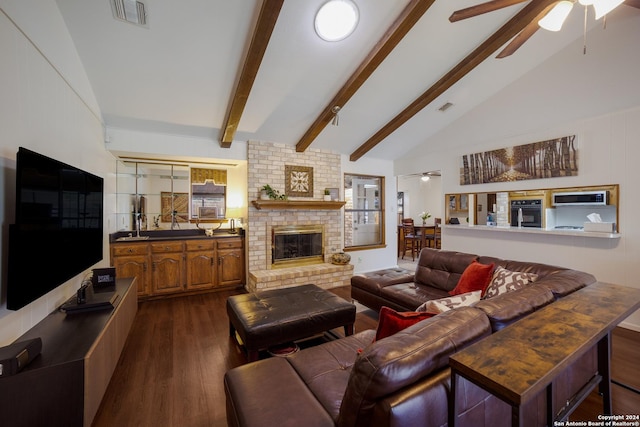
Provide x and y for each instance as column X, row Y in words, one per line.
column 180, row 206
column 335, row 194
column 298, row 181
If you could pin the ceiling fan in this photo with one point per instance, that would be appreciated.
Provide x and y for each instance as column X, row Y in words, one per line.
column 550, row 18
column 425, row 176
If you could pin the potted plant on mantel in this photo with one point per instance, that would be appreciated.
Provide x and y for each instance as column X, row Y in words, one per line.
column 266, row 191
column 327, row 195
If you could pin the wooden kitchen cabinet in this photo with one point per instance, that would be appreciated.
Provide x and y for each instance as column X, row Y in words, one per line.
column 167, row 265
column 174, row 267
column 230, row 262
column 201, row 264
column 132, row 260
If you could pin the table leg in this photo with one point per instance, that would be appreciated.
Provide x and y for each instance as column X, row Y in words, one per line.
column 604, row 368
column 550, row 410
column 348, row 330
column 453, row 408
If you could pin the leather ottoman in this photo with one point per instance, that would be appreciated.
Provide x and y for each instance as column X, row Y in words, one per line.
column 267, row 318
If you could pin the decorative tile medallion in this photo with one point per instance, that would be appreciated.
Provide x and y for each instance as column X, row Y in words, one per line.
column 298, row 181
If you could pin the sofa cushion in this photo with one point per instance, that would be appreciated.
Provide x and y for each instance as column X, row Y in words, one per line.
column 374, row 281
column 504, row 281
column 325, row 368
column 505, row 309
column 407, row 357
column 445, row 304
column 411, row 295
column 564, row 282
column 391, row 321
column 441, row 269
column 476, row 277
column 252, row 402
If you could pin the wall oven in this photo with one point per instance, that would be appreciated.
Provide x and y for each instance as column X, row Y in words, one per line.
column 526, row 213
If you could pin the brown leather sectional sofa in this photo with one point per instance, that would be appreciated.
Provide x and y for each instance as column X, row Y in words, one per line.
column 404, row 379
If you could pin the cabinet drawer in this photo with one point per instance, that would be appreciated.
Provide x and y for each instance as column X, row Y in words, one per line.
column 160, row 247
column 136, row 249
column 229, row 244
column 199, row 245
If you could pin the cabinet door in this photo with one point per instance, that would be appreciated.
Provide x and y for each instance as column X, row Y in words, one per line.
column 134, row 266
column 230, row 267
column 167, row 276
column 201, row 269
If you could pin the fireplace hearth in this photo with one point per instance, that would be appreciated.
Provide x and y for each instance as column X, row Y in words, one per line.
column 297, row 245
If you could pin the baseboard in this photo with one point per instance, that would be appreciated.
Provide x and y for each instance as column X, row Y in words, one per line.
column 629, row 325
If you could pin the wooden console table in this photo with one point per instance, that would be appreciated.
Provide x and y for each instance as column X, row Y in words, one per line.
column 546, row 342
column 64, row 385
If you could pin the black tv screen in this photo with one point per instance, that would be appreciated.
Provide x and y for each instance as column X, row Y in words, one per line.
column 58, row 231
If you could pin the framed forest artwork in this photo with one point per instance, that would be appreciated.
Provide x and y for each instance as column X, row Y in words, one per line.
column 545, row 159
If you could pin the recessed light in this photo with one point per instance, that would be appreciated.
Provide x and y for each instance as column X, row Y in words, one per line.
column 336, row 20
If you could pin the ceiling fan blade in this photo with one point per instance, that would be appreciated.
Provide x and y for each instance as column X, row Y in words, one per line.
column 479, row 9
column 633, row 3
column 525, row 34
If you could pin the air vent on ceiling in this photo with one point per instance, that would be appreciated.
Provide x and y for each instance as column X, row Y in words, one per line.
column 445, row 107
column 130, row 11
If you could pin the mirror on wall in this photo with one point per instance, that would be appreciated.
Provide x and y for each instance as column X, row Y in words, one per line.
column 157, row 196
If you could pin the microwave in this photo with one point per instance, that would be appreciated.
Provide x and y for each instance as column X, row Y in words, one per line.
column 582, row 198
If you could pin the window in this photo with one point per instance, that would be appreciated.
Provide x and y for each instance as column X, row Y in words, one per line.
column 363, row 211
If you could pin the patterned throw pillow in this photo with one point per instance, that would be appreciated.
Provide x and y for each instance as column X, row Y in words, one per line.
column 504, row 281
column 441, row 305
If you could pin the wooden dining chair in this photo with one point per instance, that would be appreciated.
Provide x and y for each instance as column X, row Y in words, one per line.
column 434, row 236
column 412, row 241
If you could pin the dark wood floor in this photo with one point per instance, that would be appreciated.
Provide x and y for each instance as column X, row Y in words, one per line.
column 171, row 369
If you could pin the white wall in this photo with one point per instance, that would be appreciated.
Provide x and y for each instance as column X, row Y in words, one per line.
column 46, row 105
column 422, row 196
column 594, row 96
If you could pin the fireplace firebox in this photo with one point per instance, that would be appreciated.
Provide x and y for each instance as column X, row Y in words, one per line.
column 297, row 245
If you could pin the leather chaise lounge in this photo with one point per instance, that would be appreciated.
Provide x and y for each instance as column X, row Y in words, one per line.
column 403, row 379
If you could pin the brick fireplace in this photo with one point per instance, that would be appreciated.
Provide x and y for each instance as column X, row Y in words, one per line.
column 266, row 165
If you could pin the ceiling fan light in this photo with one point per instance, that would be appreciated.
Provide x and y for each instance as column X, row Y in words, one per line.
column 425, row 178
column 602, row 7
column 553, row 20
column 336, row 20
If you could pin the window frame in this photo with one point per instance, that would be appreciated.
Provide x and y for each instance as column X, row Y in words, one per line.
column 349, row 210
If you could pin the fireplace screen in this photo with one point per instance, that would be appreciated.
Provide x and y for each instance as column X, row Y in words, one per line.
column 297, row 245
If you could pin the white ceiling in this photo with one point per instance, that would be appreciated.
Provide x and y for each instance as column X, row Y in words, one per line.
column 177, row 76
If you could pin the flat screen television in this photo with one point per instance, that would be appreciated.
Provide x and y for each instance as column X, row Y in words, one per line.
column 58, row 231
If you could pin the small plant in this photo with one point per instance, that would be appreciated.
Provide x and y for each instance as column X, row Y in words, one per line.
column 327, row 192
column 273, row 194
column 425, row 216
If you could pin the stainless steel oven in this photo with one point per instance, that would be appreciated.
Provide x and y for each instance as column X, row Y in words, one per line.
column 526, row 213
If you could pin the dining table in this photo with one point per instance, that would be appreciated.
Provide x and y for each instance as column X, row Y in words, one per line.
column 421, row 230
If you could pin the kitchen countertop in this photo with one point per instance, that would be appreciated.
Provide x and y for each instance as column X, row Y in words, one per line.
column 531, row 230
column 160, row 235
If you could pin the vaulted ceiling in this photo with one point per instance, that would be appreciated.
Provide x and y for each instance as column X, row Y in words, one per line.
column 255, row 69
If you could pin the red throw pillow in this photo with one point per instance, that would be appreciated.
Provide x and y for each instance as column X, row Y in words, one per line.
column 476, row 277
column 391, row 321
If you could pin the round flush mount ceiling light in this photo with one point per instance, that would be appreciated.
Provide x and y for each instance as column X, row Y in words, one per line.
column 336, row 20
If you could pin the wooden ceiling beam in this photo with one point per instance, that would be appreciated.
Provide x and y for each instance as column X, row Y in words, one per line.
column 260, row 40
column 471, row 61
column 400, row 27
